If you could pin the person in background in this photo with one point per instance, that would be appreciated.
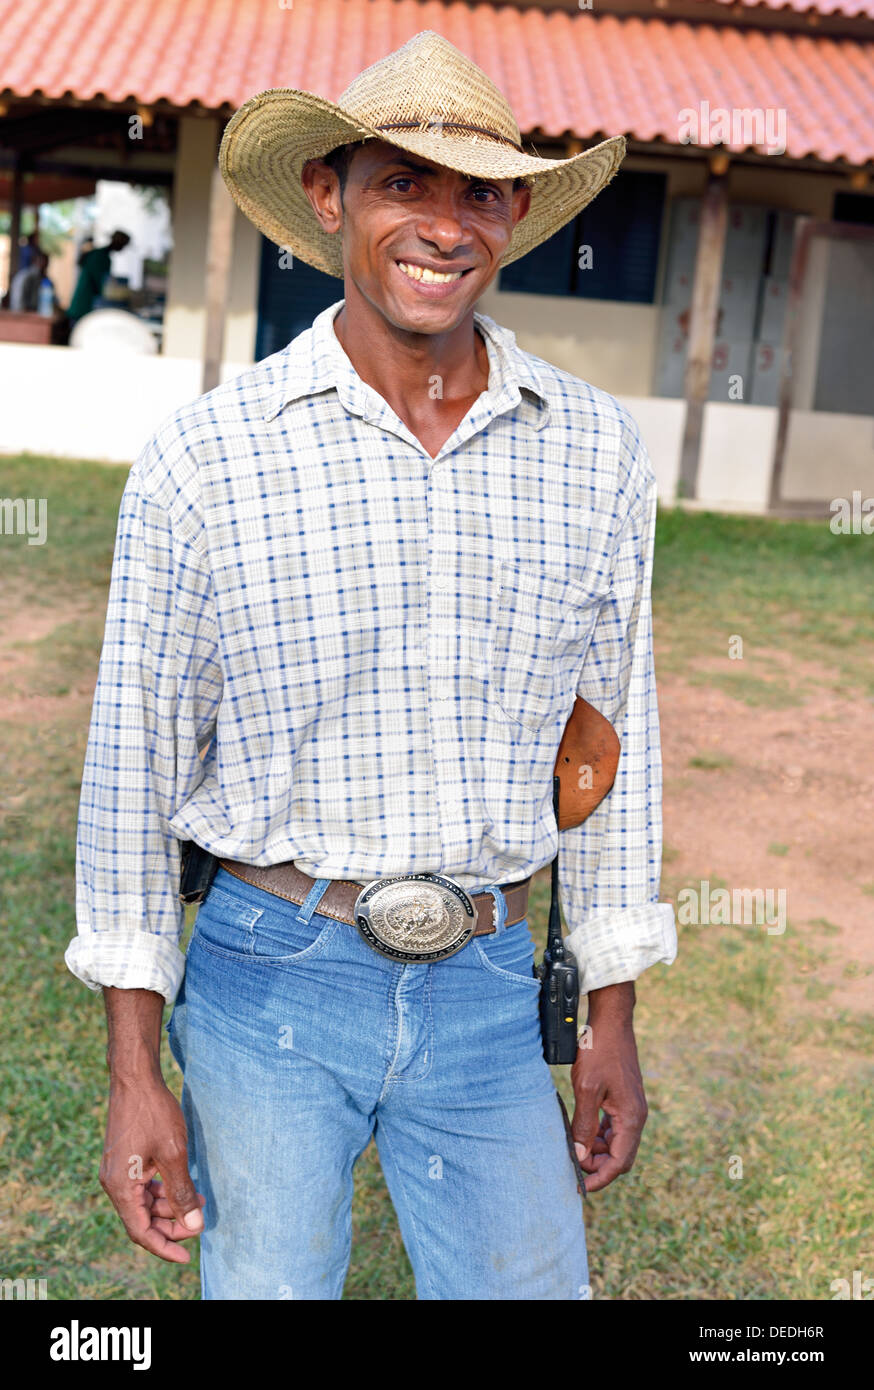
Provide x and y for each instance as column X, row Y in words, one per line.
column 26, row 283
column 93, row 270
column 28, row 251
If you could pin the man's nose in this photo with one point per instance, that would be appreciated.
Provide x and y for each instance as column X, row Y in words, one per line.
column 443, row 223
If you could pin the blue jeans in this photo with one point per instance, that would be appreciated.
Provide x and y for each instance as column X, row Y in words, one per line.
column 298, row 1042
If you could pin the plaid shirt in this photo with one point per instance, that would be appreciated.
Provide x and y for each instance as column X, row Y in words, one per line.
column 323, row 645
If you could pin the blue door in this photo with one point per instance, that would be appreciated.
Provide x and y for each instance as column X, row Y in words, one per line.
column 289, row 297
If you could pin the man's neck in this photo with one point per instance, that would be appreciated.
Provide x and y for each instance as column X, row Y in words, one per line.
column 424, row 377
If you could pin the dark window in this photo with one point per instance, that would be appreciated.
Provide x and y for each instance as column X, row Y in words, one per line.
column 854, row 207
column 622, row 228
column 289, row 298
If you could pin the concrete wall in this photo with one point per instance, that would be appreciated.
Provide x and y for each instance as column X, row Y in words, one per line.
column 101, row 407
column 107, row 407
column 611, row 345
column 828, row 455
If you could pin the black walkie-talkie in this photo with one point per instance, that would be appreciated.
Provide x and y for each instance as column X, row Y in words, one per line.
column 559, row 980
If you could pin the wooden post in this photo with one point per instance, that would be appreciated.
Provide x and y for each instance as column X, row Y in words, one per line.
column 702, row 325
column 219, row 251
column 15, row 217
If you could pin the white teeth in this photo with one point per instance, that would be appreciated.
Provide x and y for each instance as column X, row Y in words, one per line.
column 430, row 277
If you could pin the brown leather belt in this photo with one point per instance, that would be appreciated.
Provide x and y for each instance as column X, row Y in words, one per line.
column 338, row 899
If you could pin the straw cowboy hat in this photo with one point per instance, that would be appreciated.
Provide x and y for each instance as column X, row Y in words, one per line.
column 428, row 98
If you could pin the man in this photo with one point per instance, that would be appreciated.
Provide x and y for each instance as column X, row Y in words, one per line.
column 365, row 581
column 29, row 250
column 93, row 270
column 25, row 287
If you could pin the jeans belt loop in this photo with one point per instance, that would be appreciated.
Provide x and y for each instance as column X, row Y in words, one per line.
column 500, row 906
column 312, row 900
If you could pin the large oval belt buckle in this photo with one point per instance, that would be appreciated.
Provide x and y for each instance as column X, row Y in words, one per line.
column 415, row 917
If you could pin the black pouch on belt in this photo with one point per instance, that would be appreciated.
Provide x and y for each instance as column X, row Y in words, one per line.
column 197, row 873
column 559, row 980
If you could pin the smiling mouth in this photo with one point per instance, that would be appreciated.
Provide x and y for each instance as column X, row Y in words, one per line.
column 428, row 276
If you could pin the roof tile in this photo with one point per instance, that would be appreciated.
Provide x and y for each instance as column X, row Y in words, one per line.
column 584, row 75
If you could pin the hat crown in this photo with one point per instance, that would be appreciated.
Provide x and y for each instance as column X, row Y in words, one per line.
column 428, row 83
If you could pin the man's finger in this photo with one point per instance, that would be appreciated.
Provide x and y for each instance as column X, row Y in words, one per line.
column 624, row 1143
column 136, row 1218
column 601, row 1172
column 162, row 1208
column 180, row 1192
column 585, row 1123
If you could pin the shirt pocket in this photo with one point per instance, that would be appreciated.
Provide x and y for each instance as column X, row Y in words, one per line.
column 543, row 622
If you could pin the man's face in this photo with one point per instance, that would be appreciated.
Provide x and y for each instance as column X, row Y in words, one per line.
column 404, row 217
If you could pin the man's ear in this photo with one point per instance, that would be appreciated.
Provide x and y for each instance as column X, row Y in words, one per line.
column 322, row 186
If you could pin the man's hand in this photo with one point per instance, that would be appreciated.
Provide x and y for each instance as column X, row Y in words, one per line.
column 607, row 1077
column 145, row 1133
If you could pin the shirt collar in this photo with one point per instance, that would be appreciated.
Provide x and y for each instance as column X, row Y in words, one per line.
column 315, row 361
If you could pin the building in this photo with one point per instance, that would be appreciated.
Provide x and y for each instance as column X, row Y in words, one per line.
column 722, row 285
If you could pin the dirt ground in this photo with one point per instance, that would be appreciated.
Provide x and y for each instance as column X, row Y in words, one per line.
column 784, row 800
column 791, row 806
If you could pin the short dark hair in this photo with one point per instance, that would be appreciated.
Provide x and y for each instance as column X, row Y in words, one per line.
column 340, row 158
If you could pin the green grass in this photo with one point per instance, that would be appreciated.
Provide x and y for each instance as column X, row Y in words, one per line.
column 711, row 762
column 790, row 586
column 754, row 1175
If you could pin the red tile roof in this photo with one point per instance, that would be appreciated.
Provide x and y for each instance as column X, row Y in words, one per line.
column 580, row 74
column 852, row 8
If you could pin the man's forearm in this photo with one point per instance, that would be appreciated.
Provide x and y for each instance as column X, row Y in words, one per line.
column 612, row 1005
column 133, row 1021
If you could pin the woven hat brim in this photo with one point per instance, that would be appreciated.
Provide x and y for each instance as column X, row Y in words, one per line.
column 269, row 139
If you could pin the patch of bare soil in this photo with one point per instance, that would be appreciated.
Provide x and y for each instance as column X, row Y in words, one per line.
column 22, row 627
column 788, row 802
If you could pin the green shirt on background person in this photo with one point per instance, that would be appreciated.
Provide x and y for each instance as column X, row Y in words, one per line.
column 92, row 275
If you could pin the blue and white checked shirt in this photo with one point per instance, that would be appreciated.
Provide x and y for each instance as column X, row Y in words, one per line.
column 323, row 645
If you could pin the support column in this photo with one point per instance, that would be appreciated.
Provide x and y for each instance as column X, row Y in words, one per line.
column 219, row 251
column 185, row 315
column 703, row 319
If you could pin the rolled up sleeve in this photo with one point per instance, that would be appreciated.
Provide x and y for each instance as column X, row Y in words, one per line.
column 610, row 866
column 158, row 687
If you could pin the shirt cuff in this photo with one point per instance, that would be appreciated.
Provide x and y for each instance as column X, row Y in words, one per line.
column 127, row 960
column 620, row 943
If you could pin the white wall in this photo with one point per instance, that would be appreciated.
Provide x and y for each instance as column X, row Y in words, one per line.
column 107, row 407
column 661, row 421
column 74, row 404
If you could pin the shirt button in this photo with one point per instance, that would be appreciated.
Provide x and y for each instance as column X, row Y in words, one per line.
column 442, row 692
column 441, row 581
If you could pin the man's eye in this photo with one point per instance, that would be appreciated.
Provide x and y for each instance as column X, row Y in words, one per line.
column 400, row 179
column 485, row 188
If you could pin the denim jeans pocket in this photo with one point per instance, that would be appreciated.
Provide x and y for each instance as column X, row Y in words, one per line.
column 232, row 925
column 509, row 954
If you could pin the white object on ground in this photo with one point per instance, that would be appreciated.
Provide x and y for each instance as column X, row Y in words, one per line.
column 113, row 330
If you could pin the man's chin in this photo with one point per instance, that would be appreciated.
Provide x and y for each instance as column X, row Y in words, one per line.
column 438, row 316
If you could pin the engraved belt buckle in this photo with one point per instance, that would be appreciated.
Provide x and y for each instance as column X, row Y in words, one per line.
column 415, row 917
